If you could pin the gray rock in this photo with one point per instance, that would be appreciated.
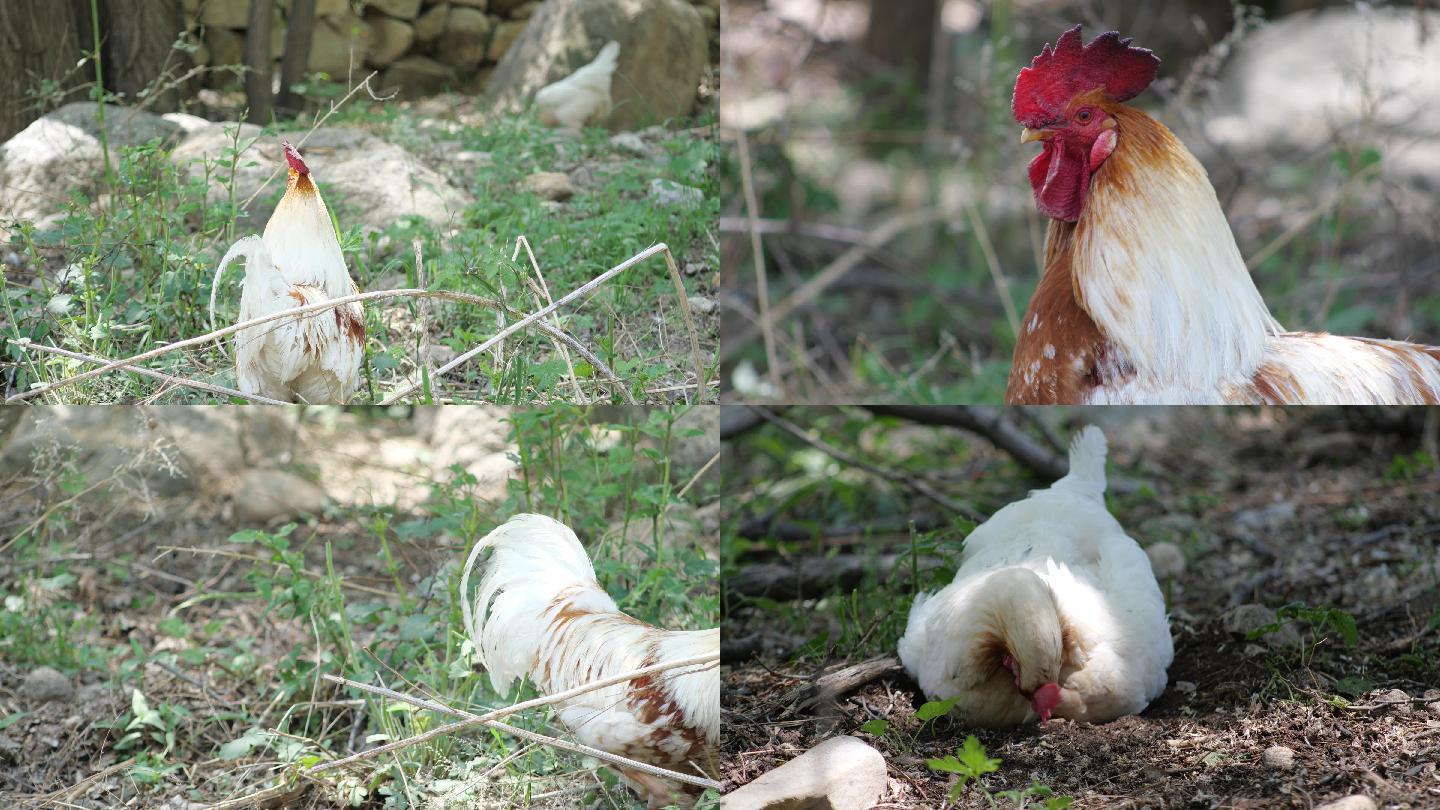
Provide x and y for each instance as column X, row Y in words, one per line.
column 663, row 54
column 404, row 9
column 1166, row 560
column 1398, row 699
column 466, row 36
column 1263, row 518
column 415, row 76
column 431, row 24
column 669, row 192
column 1279, row 757
column 504, row 37
column 841, row 773
column 550, row 186
column 1245, row 619
column 1349, row 803
column 702, row 305
column 338, row 42
column 267, row 496
column 631, row 143
column 45, row 684
column 1433, row 695
column 348, row 166
column 391, row 39
column 61, row 151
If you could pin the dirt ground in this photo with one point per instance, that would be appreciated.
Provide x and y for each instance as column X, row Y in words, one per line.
column 1298, row 508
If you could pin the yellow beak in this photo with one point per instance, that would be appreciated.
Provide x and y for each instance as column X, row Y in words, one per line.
column 1027, row 135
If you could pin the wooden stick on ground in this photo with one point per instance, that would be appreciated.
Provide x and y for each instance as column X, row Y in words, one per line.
column 490, row 719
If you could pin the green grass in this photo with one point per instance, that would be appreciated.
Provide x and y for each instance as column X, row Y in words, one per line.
column 140, row 266
column 404, row 632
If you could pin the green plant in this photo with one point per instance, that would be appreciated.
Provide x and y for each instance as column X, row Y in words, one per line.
column 970, row 763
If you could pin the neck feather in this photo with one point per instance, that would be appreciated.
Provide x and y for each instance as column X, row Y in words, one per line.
column 1157, row 268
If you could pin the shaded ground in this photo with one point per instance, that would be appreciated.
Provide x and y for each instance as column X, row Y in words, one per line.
column 225, row 638
column 1326, row 508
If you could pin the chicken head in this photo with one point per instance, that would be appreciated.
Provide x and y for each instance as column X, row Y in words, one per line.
column 1065, row 99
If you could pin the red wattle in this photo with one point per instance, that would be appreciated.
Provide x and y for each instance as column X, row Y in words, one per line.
column 1045, row 699
column 1060, row 180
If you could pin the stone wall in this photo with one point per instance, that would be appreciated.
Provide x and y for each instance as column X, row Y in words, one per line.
column 420, row 46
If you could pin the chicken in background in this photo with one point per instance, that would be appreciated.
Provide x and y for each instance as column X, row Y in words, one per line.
column 1144, row 297
column 1054, row 611
column 540, row 613
column 583, row 97
column 315, row 357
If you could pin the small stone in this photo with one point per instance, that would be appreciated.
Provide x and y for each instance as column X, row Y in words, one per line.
column 1398, row 699
column 439, row 354
column 1184, row 687
column 265, row 496
column 1264, row 518
column 1349, row 803
column 45, row 684
column 669, row 192
column 629, row 142
column 1433, row 695
column 1246, row 619
column 553, row 186
column 702, row 305
column 841, row 773
column 1166, row 560
column 692, row 269
column 1279, row 757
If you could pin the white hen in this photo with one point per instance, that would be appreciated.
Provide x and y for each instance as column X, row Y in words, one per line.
column 1054, row 610
column 311, row 358
column 583, row 97
column 540, row 613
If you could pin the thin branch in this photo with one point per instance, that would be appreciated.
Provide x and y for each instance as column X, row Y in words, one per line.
column 583, row 289
column 757, row 252
column 910, row 482
column 26, row 343
column 489, row 719
column 467, row 298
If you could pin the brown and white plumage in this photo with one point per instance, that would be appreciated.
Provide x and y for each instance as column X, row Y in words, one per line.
column 1144, row 297
column 583, row 97
column 314, row 357
column 539, row 613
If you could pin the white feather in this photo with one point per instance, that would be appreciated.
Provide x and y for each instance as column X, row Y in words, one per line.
column 1058, row 554
column 583, row 97
column 539, row 613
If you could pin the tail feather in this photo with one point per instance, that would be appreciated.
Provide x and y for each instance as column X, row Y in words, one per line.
column 1087, row 464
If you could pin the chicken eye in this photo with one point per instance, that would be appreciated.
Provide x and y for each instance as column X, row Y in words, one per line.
column 1083, row 116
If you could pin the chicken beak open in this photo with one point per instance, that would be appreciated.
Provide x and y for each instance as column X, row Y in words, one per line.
column 1044, row 701
column 1027, row 134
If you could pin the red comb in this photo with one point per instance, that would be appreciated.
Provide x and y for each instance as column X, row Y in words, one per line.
column 293, row 155
column 1070, row 69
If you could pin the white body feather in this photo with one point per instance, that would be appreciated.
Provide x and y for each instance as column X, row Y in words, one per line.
column 583, row 97
column 1159, row 272
column 539, row 613
column 1118, row 643
column 311, row 358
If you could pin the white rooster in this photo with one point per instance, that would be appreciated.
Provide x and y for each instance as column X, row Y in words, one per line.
column 1054, row 611
column 540, row 613
column 583, row 97
column 311, row 358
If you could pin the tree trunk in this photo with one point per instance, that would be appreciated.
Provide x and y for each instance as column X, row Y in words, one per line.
column 901, row 33
column 298, row 29
column 257, row 61
column 139, row 53
column 39, row 39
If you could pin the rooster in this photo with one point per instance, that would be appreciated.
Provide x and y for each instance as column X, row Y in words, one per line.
column 1054, row 611
column 540, row 613
column 314, row 357
column 583, row 97
column 1144, row 297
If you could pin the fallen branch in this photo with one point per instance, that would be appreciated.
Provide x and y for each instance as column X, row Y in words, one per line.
column 489, row 719
column 27, row 343
column 466, row 298
column 810, row 577
column 913, row 483
column 829, row 687
column 583, row 289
